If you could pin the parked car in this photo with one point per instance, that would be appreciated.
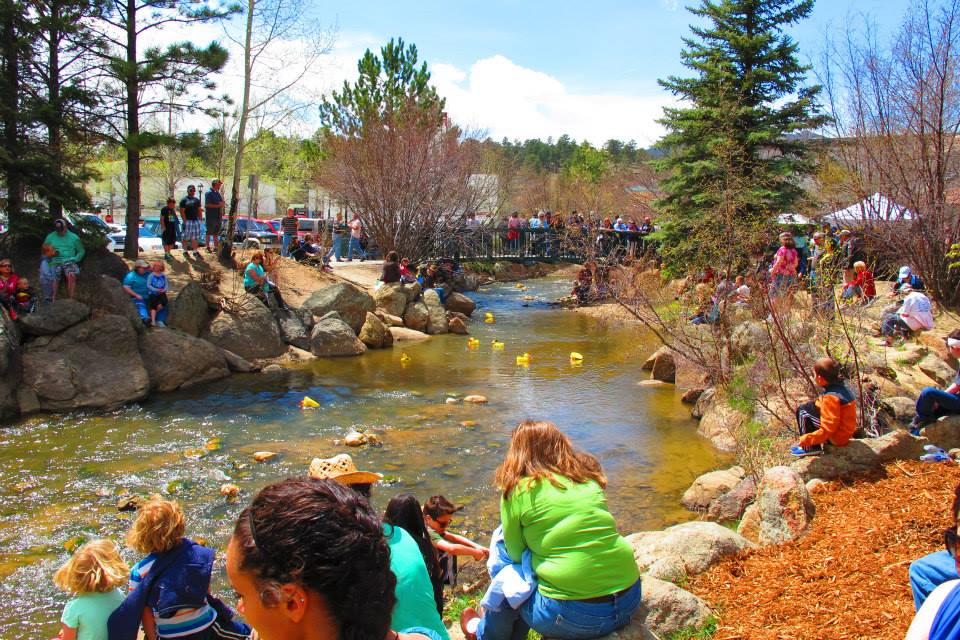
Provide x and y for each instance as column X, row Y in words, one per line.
column 147, row 240
column 252, row 233
column 82, row 223
column 314, row 226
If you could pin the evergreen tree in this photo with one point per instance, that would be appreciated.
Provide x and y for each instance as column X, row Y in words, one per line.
column 733, row 160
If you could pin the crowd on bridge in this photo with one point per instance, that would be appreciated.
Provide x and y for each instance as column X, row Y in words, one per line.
column 310, row 558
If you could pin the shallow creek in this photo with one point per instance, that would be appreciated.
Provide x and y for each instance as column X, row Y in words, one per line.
column 62, row 475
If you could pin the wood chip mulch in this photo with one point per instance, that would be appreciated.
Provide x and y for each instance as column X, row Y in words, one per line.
column 847, row 577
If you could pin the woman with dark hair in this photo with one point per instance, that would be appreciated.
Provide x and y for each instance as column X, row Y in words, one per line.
column 404, row 511
column 308, row 560
column 391, row 268
column 553, row 504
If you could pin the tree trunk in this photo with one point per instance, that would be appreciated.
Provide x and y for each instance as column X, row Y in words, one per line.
column 54, row 122
column 241, row 133
column 10, row 100
column 132, row 142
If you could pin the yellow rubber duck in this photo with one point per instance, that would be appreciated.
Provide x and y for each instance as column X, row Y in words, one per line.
column 488, row 318
column 528, row 298
column 576, row 357
column 472, row 343
column 520, row 285
column 496, row 344
column 524, row 360
column 405, row 359
column 308, row 403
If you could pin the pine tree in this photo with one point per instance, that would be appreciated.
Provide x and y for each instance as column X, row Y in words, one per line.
column 734, row 160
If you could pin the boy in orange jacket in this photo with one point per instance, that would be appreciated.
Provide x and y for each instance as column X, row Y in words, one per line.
column 832, row 417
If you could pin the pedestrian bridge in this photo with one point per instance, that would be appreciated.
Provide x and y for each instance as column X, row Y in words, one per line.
column 487, row 244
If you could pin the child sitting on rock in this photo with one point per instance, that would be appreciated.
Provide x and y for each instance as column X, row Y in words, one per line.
column 93, row 574
column 832, row 417
column 862, row 287
column 48, row 274
column 23, row 300
column 437, row 514
column 157, row 287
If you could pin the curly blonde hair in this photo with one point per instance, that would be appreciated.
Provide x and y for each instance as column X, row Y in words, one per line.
column 539, row 450
column 159, row 526
column 95, row 567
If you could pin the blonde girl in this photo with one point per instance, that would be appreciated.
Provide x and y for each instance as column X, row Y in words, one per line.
column 94, row 574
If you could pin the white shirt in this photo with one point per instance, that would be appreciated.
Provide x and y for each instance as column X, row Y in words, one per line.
column 917, row 311
column 920, row 627
column 355, row 226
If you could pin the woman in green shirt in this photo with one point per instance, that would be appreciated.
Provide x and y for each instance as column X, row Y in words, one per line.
column 553, row 504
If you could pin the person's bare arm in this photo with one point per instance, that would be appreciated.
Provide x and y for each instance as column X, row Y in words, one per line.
column 67, row 633
column 149, row 624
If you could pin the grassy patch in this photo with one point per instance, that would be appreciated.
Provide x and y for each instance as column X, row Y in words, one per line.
column 456, row 603
column 703, row 632
column 741, row 395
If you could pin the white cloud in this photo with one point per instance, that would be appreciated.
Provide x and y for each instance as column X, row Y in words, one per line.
column 507, row 100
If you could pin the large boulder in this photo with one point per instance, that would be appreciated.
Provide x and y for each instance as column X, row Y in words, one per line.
column 93, row 364
column 783, row 509
column 708, row 487
column 416, row 316
column 457, row 325
column 720, row 423
column 106, row 295
column 436, row 314
column 175, row 360
column 391, row 298
column 860, row 456
column 697, row 545
column 648, row 363
column 248, row 329
column 935, row 368
column 11, row 403
column 331, row 336
column 53, row 318
column 704, row 401
column 351, row 304
column 295, row 327
column 730, row 506
column 460, row 303
column 189, row 310
column 749, row 339
column 901, row 407
column 664, row 368
column 666, row 609
column 375, row 333
column 237, row 364
column 945, row 432
column 403, row 334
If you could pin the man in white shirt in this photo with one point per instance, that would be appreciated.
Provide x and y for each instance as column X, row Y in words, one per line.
column 915, row 314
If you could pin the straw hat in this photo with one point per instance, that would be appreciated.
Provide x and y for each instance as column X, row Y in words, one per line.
column 342, row 469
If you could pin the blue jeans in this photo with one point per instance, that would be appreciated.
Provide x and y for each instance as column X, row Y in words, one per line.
column 561, row 619
column 929, row 572
column 141, row 306
column 337, row 248
column 891, row 324
column 285, row 248
column 934, row 402
column 355, row 244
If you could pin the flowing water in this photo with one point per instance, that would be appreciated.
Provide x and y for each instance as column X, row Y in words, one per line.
column 62, row 475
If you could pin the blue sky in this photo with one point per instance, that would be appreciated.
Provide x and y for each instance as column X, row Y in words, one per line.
column 532, row 68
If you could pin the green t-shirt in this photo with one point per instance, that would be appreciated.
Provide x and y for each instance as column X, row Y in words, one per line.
column 69, row 247
column 436, row 537
column 415, row 604
column 577, row 552
column 88, row 613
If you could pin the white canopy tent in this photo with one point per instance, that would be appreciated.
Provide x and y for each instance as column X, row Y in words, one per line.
column 876, row 208
column 794, row 218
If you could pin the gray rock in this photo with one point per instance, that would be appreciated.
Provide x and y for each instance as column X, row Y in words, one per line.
column 375, row 333
column 92, row 364
column 248, row 329
column 934, row 367
column 189, row 310
column 391, row 298
column 945, row 432
column 719, row 424
column 783, row 509
column 456, row 325
column 860, row 456
column 10, row 370
column 295, row 327
column 704, row 402
column 351, row 304
column 416, row 316
column 667, row 609
column 106, row 294
column 902, row 408
column 54, row 317
column 331, row 336
column 748, row 339
column 460, row 303
column 237, row 364
column 690, row 396
column 175, row 360
column 730, row 506
column 272, row 368
column 436, row 314
column 698, row 545
column 403, row 334
column 709, row 486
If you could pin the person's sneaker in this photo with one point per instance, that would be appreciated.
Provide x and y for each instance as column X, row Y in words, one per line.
column 159, row 323
column 800, row 452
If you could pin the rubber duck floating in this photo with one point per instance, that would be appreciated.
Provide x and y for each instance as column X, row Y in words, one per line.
column 496, row 344
column 472, row 343
column 488, row 318
column 524, row 360
column 308, row 403
column 405, row 359
column 576, row 358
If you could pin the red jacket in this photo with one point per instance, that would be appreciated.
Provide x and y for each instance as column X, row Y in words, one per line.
column 838, row 417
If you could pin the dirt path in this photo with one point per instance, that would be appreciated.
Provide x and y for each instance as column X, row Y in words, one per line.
column 847, row 578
